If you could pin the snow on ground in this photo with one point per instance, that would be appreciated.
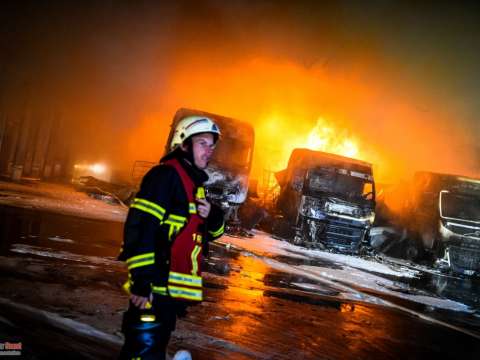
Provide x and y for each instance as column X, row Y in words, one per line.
column 263, row 244
column 268, row 245
column 353, row 271
column 63, row 323
column 60, row 239
column 362, row 264
column 385, row 286
column 64, row 255
column 349, row 274
column 63, row 199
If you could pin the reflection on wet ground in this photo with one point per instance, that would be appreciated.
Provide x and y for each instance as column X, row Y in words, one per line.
column 305, row 260
column 429, row 283
column 250, row 310
column 59, row 232
column 465, row 290
column 100, row 238
column 263, row 311
column 293, row 281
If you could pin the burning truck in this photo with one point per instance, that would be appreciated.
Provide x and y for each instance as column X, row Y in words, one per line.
column 443, row 215
column 326, row 201
column 229, row 169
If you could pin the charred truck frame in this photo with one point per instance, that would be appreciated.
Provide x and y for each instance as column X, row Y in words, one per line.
column 327, row 200
column 444, row 215
column 229, row 169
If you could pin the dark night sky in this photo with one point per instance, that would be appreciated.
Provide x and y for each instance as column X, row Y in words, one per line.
column 109, row 64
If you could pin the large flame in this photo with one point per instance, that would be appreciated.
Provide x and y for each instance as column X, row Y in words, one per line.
column 325, row 136
column 290, row 106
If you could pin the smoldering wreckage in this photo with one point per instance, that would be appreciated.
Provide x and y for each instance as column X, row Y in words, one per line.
column 330, row 202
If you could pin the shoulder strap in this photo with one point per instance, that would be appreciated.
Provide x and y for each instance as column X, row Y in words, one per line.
column 186, row 180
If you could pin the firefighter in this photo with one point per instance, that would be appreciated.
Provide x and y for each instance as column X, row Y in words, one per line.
column 168, row 223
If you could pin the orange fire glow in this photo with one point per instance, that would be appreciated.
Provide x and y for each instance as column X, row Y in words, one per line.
column 325, row 136
column 347, row 112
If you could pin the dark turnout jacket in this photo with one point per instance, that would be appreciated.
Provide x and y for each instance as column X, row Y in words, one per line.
column 157, row 214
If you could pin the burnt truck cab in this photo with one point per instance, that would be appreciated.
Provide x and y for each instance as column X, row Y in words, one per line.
column 229, row 169
column 328, row 200
column 445, row 217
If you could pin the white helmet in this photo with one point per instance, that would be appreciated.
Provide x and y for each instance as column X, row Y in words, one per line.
column 192, row 125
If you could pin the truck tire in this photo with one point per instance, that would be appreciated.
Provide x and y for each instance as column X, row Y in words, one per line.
column 414, row 249
column 282, row 228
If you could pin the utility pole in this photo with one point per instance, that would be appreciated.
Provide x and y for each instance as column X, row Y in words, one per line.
column 14, row 133
column 49, row 161
column 31, row 145
column 41, row 147
column 19, row 160
column 3, row 127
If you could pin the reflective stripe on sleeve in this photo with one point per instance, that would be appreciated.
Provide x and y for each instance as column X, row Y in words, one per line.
column 149, row 207
column 218, row 232
column 161, row 290
column 177, row 219
column 141, row 260
column 176, row 222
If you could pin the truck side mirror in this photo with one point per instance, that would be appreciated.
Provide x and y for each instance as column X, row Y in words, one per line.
column 367, row 192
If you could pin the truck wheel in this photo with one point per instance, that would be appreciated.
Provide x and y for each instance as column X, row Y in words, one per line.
column 413, row 250
column 366, row 250
column 438, row 250
column 282, row 228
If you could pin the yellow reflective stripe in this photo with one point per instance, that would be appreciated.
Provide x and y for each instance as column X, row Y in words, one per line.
column 173, row 223
column 200, row 192
column 149, row 207
column 184, row 279
column 141, row 260
column 140, row 264
column 148, row 210
column 147, row 317
column 150, row 255
column 126, row 287
column 177, row 218
column 150, row 204
column 174, row 227
column 187, row 276
column 162, row 290
column 192, row 208
column 218, row 232
column 194, row 255
column 176, row 222
column 185, row 293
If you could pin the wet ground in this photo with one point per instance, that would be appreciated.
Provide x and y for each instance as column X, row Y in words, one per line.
column 61, row 295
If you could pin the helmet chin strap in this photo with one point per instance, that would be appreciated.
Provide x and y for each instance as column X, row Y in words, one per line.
column 188, row 152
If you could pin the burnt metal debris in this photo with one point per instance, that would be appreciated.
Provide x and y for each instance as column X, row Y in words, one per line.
column 326, row 201
column 439, row 222
column 106, row 191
